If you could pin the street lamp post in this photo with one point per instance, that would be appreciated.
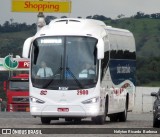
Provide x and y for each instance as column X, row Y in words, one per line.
column 40, row 20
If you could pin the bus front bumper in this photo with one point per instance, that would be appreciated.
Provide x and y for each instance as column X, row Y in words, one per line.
column 66, row 111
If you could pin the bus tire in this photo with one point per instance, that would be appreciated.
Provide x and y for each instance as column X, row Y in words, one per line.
column 45, row 120
column 100, row 120
column 123, row 115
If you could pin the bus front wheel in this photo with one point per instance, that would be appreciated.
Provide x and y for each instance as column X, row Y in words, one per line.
column 100, row 120
column 123, row 115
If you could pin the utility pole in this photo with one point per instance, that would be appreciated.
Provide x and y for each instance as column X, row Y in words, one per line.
column 40, row 20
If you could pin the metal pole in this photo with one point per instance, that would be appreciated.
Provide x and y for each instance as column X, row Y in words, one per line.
column 40, row 20
column 142, row 102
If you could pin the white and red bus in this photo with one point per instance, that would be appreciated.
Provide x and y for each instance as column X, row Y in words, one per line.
column 93, row 69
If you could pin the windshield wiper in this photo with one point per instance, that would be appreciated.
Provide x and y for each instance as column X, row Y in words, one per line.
column 74, row 77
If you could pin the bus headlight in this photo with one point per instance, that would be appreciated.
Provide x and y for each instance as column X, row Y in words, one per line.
column 36, row 100
column 92, row 100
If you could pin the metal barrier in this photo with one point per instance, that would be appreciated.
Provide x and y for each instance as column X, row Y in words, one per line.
column 147, row 103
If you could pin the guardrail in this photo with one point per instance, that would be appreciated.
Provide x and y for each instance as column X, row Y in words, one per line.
column 144, row 100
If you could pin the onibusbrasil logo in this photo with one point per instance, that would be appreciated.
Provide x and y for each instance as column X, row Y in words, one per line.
column 9, row 63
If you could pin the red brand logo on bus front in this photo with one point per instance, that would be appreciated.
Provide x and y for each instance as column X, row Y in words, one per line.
column 43, row 92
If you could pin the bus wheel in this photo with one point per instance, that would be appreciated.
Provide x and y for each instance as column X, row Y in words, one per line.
column 123, row 115
column 45, row 120
column 100, row 120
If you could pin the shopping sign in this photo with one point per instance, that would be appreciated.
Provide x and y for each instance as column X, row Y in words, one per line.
column 10, row 63
column 58, row 6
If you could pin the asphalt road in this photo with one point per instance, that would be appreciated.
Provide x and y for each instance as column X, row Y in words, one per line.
column 25, row 120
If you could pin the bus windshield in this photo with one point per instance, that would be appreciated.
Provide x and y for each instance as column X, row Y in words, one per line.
column 64, row 61
column 19, row 85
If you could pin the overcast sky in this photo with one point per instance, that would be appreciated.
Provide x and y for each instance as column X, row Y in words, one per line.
column 83, row 8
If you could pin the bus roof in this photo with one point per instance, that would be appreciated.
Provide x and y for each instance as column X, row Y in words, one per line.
column 76, row 26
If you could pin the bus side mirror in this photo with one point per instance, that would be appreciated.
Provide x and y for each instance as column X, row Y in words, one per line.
column 100, row 47
column 26, row 47
column 5, row 85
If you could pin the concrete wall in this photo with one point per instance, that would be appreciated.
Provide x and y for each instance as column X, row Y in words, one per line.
column 143, row 100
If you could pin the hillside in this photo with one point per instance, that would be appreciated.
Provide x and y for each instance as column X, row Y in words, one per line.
column 12, row 42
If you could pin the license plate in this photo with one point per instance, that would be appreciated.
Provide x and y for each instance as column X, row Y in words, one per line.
column 63, row 109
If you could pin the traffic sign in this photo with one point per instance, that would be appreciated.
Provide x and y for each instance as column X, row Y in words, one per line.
column 57, row 6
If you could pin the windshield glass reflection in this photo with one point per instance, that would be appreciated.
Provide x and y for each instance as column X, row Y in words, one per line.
column 69, row 61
